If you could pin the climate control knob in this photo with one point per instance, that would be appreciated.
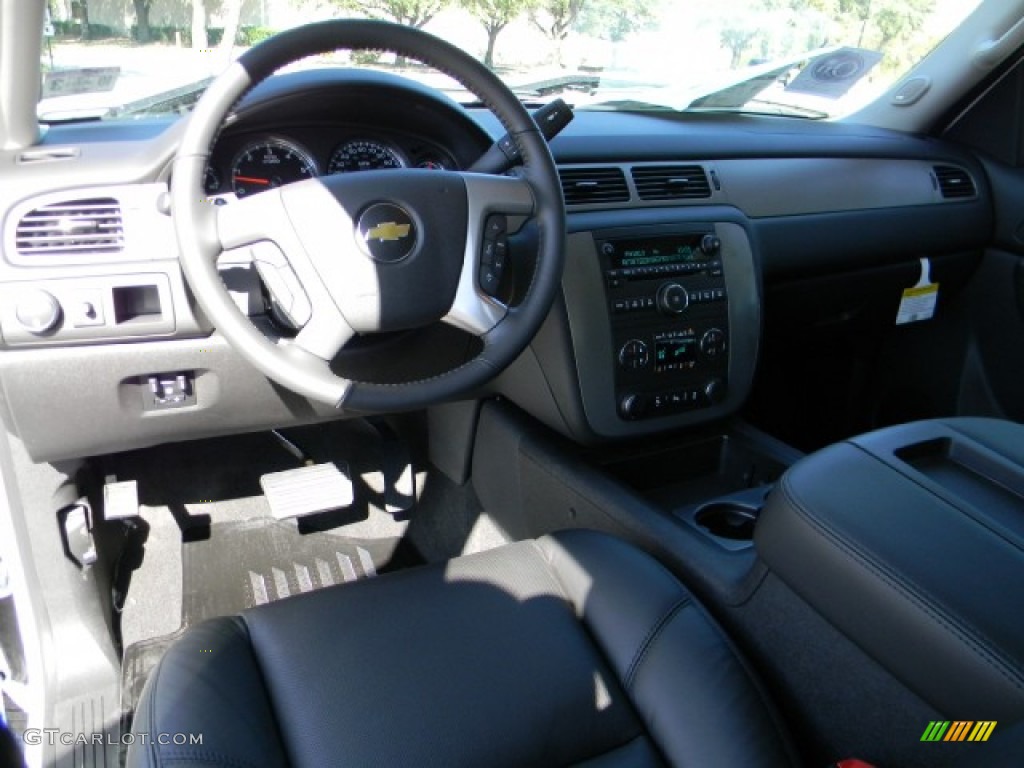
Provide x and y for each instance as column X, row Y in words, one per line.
column 632, row 406
column 672, row 299
column 712, row 343
column 634, row 355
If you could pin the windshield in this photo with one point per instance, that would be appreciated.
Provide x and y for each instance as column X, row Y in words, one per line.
column 803, row 58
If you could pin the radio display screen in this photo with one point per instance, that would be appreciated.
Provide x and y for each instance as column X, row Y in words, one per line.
column 675, row 354
column 652, row 251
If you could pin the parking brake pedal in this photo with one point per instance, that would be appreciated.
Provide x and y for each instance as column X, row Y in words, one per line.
column 308, row 490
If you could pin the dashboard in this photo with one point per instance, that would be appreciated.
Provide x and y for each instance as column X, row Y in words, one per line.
column 676, row 226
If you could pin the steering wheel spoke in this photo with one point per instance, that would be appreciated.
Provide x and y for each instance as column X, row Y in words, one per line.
column 494, row 201
column 324, row 335
column 249, row 220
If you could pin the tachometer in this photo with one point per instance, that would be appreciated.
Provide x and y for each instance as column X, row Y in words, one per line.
column 269, row 163
column 364, row 155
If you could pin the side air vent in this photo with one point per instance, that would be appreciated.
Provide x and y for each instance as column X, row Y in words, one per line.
column 671, row 182
column 954, row 183
column 47, row 155
column 591, row 186
column 72, row 228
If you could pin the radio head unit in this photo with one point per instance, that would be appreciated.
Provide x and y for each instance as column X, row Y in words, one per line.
column 669, row 309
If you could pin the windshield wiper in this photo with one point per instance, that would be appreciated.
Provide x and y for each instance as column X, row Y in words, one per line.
column 780, row 108
column 175, row 101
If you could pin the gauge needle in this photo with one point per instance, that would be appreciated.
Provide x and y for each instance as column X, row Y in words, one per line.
column 253, row 180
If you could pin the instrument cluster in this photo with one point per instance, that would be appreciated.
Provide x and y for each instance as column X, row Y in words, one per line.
column 253, row 164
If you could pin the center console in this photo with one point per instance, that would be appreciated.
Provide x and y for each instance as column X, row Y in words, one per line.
column 669, row 309
column 910, row 541
column 662, row 319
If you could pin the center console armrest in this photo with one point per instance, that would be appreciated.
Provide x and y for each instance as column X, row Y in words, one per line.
column 910, row 540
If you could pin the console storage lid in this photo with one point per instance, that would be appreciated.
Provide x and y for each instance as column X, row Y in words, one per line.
column 910, row 540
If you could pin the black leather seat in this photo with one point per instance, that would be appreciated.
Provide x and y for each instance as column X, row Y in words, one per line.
column 573, row 649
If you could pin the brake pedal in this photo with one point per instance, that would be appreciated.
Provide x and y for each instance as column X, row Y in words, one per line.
column 308, row 490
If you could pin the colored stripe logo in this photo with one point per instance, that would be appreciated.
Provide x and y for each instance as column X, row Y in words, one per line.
column 959, row 730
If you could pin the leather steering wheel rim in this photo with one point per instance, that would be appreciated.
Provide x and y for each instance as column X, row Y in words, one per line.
column 204, row 231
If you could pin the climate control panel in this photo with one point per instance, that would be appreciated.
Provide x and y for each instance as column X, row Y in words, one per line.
column 669, row 309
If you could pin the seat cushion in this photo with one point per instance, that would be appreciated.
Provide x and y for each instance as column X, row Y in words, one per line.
column 572, row 649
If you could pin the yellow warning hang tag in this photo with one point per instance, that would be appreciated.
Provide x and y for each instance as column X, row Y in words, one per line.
column 918, row 302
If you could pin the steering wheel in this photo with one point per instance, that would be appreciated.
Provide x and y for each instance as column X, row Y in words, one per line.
column 373, row 251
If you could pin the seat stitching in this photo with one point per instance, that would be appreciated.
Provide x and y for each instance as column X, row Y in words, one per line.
column 649, row 639
column 905, row 590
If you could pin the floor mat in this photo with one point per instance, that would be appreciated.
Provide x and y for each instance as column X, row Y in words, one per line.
column 138, row 662
column 249, row 563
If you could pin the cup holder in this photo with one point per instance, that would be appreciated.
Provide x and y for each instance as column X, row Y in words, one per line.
column 728, row 520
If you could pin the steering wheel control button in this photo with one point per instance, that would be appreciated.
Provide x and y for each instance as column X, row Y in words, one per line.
column 387, row 233
column 496, row 226
column 38, row 312
column 493, row 254
column 634, row 355
column 673, row 299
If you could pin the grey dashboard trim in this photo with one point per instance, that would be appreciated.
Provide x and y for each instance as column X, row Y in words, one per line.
column 84, row 401
column 799, row 186
column 810, row 184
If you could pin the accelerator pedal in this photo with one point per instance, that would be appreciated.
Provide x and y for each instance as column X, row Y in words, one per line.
column 399, row 476
column 308, row 490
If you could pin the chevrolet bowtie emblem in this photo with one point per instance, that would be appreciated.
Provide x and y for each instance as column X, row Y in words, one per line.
column 388, row 231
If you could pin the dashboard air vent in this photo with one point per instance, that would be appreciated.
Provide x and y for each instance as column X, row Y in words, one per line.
column 591, row 186
column 71, row 228
column 954, row 183
column 671, row 182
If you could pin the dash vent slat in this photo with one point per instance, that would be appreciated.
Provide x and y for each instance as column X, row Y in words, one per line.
column 75, row 227
column 593, row 186
column 954, row 183
column 671, row 182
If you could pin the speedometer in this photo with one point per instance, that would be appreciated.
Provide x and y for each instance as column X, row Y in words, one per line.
column 269, row 163
column 364, row 155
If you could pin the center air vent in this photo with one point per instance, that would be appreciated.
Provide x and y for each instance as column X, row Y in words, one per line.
column 954, row 183
column 591, row 186
column 72, row 228
column 671, row 182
